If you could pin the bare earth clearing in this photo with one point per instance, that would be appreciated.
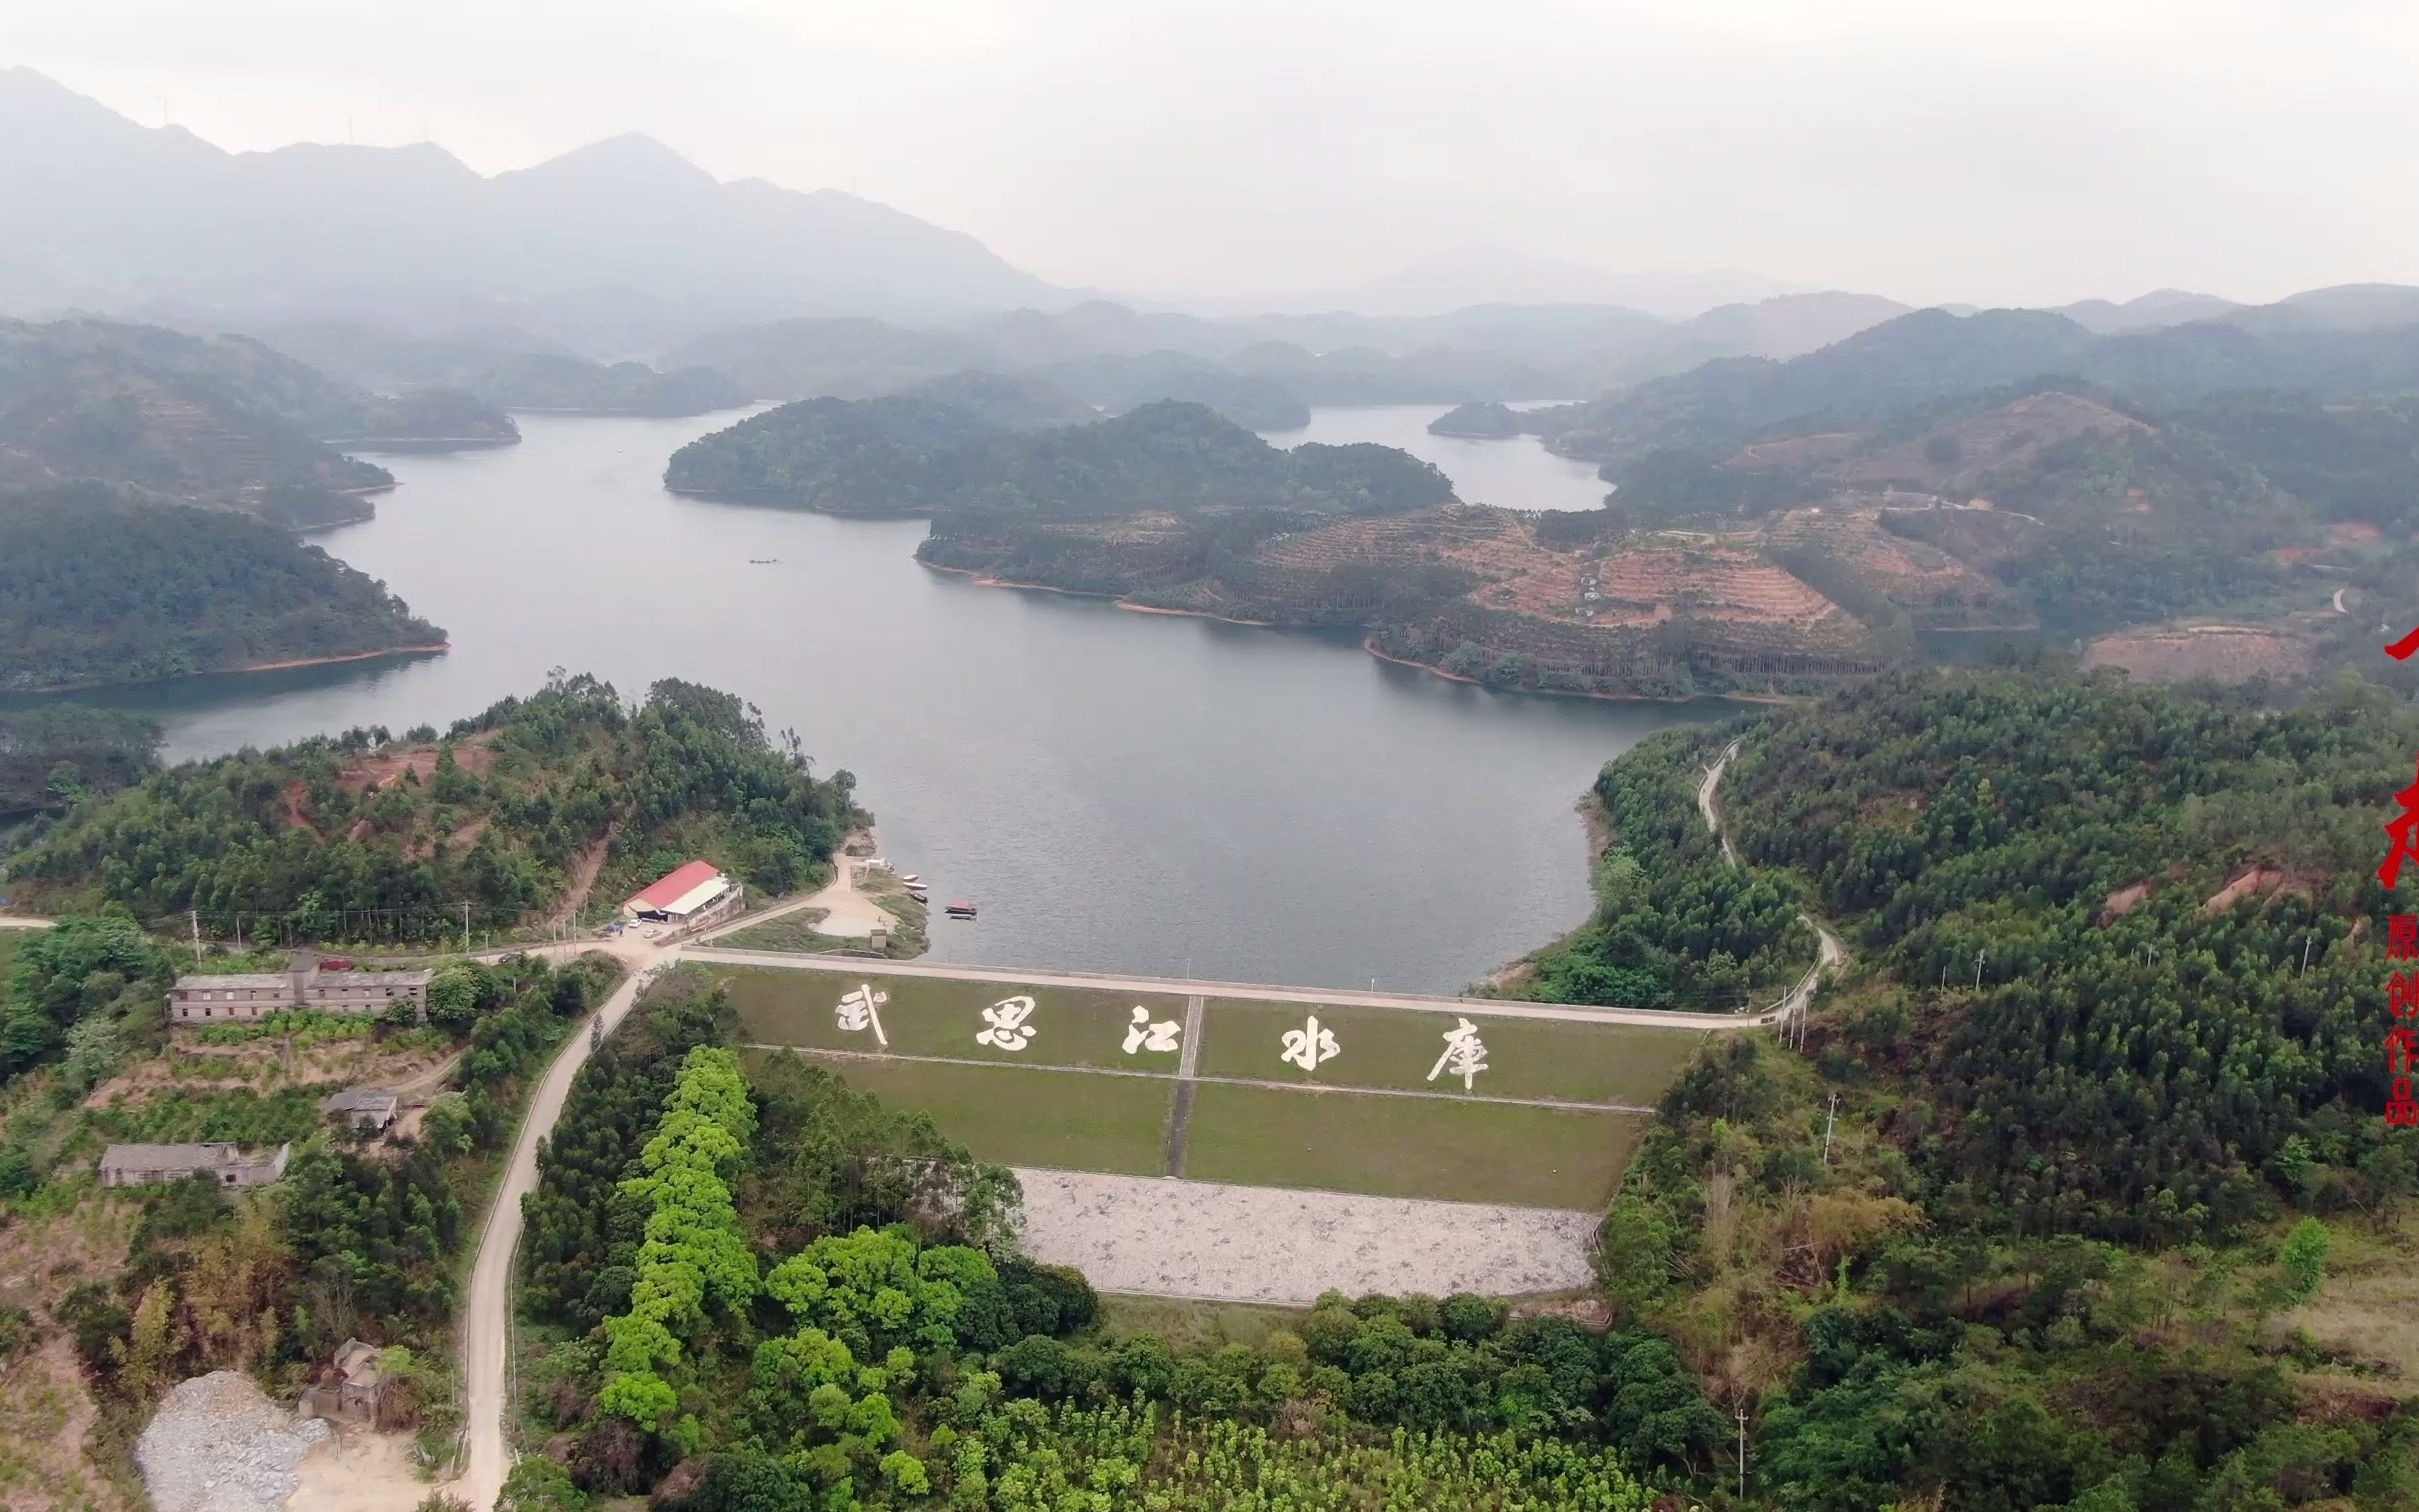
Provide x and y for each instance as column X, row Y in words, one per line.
column 1156, row 1237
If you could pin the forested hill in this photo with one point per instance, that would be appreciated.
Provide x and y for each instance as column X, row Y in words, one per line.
column 1928, row 355
column 2050, row 1210
column 912, row 455
column 2080, row 907
column 224, row 421
column 513, row 812
column 1181, row 457
column 95, row 588
column 2135, row 879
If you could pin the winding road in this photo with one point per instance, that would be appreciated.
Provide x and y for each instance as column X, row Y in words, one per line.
column 1828, row 951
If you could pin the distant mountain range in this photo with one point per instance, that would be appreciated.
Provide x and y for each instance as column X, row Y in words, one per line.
column 111, row 215
column 2326, row 343
column 1496, row 275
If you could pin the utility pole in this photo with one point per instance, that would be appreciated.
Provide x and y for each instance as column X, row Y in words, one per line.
column 193, row 916
column 1742, row 1412
column 1978, row 971
column 1829, row 1122
column 2305, row 952
column 466, row 926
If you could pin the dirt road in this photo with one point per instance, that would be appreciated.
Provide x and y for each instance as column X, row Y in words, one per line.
column 487, row 1310
column 19, row 921
column 1828, row 951
column 1705, row 797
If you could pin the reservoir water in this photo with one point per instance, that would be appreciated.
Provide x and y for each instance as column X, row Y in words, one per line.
column 1117, row 791
column 1514, row 473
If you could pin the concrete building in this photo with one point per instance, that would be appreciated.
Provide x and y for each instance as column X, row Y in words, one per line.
column 350, row 1385
column 254, row 994
column 369, row 1109
column 139, row 1164
column 685, row 896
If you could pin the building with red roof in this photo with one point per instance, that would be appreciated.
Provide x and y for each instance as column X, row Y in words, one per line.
column 680, row 894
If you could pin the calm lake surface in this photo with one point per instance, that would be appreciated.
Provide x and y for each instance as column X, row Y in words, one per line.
column 1117, row 791
column 1515, row 473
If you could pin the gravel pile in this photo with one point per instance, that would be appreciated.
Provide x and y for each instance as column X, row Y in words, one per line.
column 218, row 1444
column 1162, row 1238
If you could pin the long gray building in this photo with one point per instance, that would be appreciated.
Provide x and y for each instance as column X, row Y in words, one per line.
column 254, row 994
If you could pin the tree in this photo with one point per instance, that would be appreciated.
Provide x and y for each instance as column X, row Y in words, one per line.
column 538, row 1484
column 2304, row 1260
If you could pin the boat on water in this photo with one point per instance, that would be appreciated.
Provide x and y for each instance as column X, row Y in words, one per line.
column 919, row 895
column 960, row 910
column 910, row 878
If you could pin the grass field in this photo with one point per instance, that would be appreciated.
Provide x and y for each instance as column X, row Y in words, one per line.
column 1408, row 1146
column 1388, row 1047
column 1015, row 1116
column 1036, row 1107
column 932, row 1016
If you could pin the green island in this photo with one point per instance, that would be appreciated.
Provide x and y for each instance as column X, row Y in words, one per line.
column 96, row 588
column 917, row 454
column 1480, row 420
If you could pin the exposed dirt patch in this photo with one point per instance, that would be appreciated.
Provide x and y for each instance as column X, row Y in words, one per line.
column 268, row 1063
column 2254, row 882
column 475, row 755
column 358, row 1471
column 584, row 873
column 46, row 1417
column 2123, row 901
column 2222, row 653
column 2356, row 532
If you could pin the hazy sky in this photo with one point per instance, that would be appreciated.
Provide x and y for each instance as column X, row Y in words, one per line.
column 1927, row 149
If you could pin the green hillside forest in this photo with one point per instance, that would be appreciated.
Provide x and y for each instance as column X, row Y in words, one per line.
column 97, row 589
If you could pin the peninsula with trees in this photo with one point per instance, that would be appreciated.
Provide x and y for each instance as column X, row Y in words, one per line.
column 97, row 588
column 526, row 808
column 223, row 422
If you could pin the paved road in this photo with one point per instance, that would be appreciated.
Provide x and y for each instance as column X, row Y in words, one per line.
column 1337, row 997
column 487, row 1311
